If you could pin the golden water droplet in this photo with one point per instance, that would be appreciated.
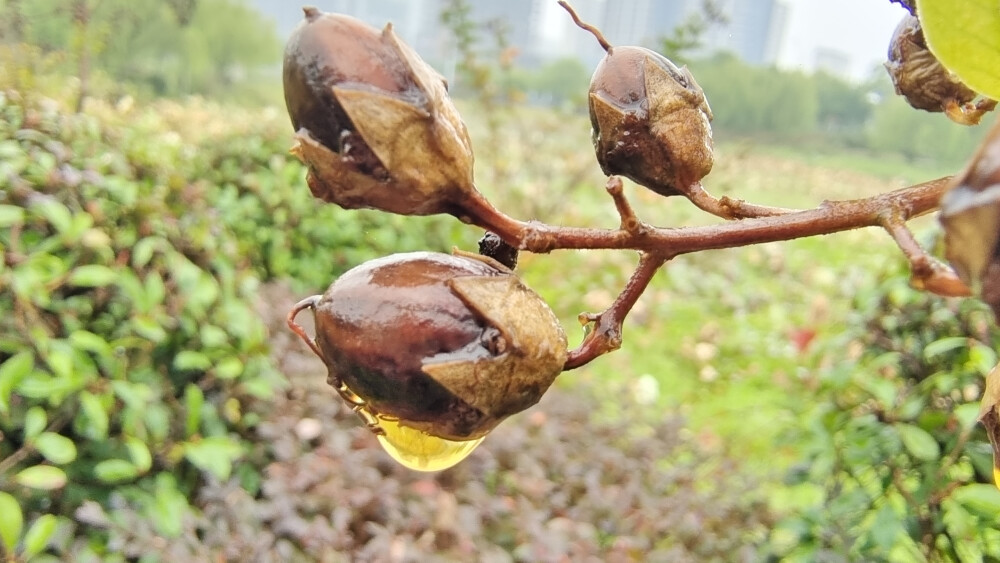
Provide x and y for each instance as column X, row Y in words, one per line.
column 996, row 476
column 420, row 451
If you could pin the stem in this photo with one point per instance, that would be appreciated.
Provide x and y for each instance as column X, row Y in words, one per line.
column 729, row 208
column 307, row 303
column 593, row 30
column 829, row 217
column 928, row 273
column 606, row 335
column 761, row 224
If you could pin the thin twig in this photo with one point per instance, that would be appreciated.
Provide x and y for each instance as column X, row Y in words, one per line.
column 629, row 220
column 593, row 30
column 729, row 208
column 606, row 334
column 927, row 273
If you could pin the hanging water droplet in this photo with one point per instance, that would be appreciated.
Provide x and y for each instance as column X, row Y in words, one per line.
column 420, row 451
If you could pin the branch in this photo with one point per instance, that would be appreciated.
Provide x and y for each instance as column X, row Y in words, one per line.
column 829, row 217
column 606, row 334
column 927, row 273
column 889, row 210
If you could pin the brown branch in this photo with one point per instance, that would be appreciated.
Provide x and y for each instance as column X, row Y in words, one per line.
column 829, row 217
column 927, row 273
column 606, row 333
column 765, row 224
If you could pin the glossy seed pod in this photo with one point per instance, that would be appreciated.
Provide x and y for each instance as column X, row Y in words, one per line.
column 369, row 116
column 449, row 345
column 651, row 121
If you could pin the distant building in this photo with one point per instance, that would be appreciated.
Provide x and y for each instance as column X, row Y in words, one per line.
column 541, row 31
column 754, row 31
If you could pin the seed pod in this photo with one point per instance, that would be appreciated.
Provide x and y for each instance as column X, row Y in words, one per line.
column 438, row 349
column 970, row 214
column 924, row 82
column 373, row 121
column 650, row 121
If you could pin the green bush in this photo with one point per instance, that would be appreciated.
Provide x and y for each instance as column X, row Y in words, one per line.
column 896, row 467
column 131, row 354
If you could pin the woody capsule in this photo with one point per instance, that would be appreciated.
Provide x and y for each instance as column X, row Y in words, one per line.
column 369, row 116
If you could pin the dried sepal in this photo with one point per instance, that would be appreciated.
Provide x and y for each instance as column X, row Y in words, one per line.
column 529, row 353
column 970, row 214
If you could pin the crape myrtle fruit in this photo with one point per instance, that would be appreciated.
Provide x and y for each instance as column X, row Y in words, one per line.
column 370, row 117
column 650, row 120
column 924, row 82
column 434, row 350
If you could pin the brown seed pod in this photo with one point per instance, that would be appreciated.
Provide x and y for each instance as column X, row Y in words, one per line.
column 650, row 121
column 924, row 82
column 373, row 121
column 970, row 214
column 446, row 344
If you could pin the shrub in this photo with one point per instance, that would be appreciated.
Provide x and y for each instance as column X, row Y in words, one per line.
column 896, row 467
column 131, row 355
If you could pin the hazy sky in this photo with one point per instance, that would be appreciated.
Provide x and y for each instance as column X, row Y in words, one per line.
column 861, row 28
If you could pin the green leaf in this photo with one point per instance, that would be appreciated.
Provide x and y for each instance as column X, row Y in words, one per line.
column 115, row 471
column 34, row 422
column 980, row 498
column 945, row 345
column 92, row 275
column 44, row 477
column 11, row 373
column 919, row 442
column 965, row 37
column 967, row 415
column 57, row 214
column 55, row 447
column 86, row 340
column 38, row 535
column 215, row 455
column 95, row 414
column 10, row 215
column 142, row 252
column 11, row 521
column 213, row 336
column 189, row 360
column 229, row 368
column 149, row 328
column 139, row 453
column 194, row 400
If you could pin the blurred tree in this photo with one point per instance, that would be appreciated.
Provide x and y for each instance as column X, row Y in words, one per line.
column 842, row 105
column 169, row 47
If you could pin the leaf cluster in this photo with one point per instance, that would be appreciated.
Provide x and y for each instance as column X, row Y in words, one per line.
column 896, row 466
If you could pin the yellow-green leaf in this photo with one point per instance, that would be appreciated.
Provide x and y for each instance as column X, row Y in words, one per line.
column 92, row 275
column 38, row 535
column 55, row 447
column 44, row 477
column 115, row 471
column 965, row 37
column 919, row 442
column 11, row 521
